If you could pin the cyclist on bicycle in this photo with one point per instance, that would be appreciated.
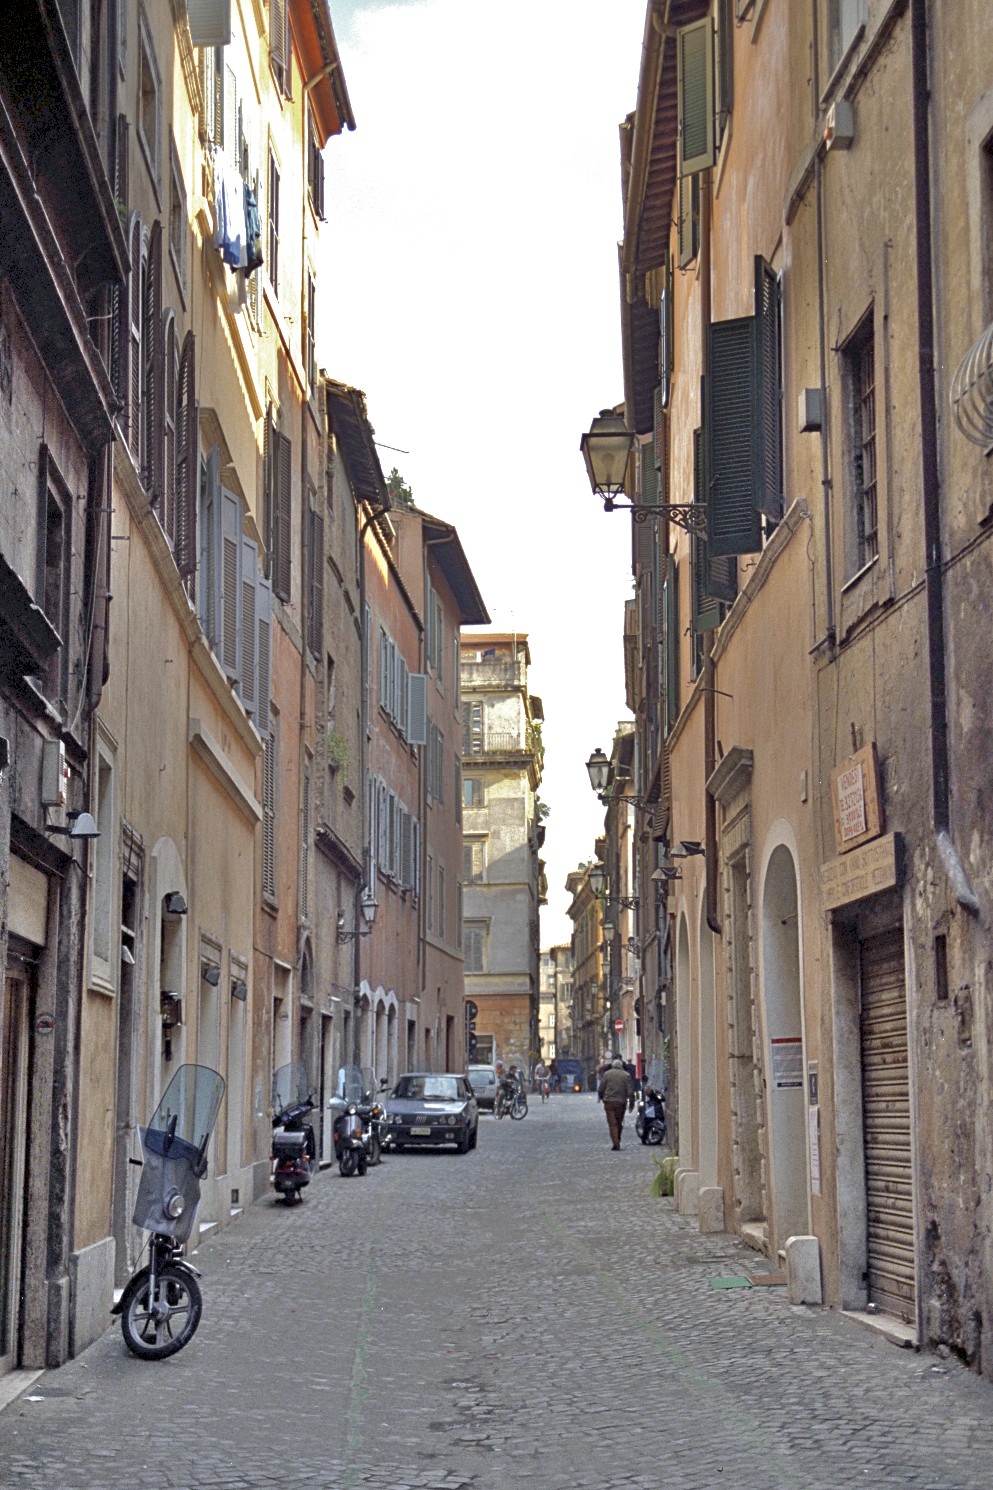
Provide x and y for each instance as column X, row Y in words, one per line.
column 541, row 1079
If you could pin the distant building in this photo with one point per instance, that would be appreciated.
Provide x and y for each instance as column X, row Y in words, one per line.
column 555, row 1001
column 502, row 764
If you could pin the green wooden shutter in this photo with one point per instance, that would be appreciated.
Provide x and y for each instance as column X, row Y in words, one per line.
column 695, row 85
column 687, row 220
column 282, row 455
column 707, row 613
column 768, row 392
column 649, row 475
column 248, row 683
column 724, row 64
column 670, row 654
column 665, row 337
column 231, row 596
column 733, row 520
column 212, row 548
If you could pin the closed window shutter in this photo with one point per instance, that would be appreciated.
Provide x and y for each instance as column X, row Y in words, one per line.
column 120, row 339
column 724, row 64
column 230, row 619
column 270, row 777
column 687, row 220
column 229, row 128
column 403, row 696
column 670, row 605
column 417, row 857
column 406, row 848
column 733, row 521
column 316, row 599
column 212, row 548
column 695, row 88
column 305, row 817
column 768, row 392
column 440, row 769
column 417, row 726
column 372, row 803
column 665, row 338
column 277, row 32
column 187, row 459
column 134, row 358
column 707, row 611
column 207, row 57
column 282, row 516
column 267, row 488
column 168, row 513
column 249, row 672
column 366, row 668
column 458, row 790
column 263, row 606
column 439, row 640
column 153, row 390
column 210, row 22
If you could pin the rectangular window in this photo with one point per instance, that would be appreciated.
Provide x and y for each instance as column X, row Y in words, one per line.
column 474, row 947
column 472, row 791
column 270, row 776
column 860, row 357
column 315, row 170
column 315, row 578
column 177, row 217
column 429, row 871
column 458, row 790
column 458, row 915
column 472, row 728
column 54, row 570
column 473, row 861
column 441, row 901
column 310, row 348
column 104, row 901
column 845, row 18
column 280, row 47
column 149, row 113
column 273, row 205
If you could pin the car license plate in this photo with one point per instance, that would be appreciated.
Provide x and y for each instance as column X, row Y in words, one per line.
column 420, row 1132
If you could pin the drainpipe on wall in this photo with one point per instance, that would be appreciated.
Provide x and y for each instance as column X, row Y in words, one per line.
column 709, row 677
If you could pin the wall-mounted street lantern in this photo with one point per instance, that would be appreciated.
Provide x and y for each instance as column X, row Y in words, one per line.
column 600, row 775
column 81, row 825
column 369, row 908
column 607, row 447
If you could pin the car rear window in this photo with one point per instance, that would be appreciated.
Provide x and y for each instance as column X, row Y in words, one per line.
column 482, row 1075
column 417, row 1088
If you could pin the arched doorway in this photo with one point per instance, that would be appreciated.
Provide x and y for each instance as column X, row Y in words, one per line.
column 782, row 999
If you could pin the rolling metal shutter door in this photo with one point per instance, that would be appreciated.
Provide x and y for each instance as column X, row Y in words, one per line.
column 886, row 1118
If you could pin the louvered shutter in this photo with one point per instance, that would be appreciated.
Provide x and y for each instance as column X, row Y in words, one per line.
column 277, row 32
column 187, row 459
column 230, row 567
column 212, row 549
column 768, row 392
column 119, row 329
column 207, row 56
column 316, row 561
column 270, row 779
column 695, row 88
column 372, row 805
column 282, row 457
column 724, row 63
column 210, row 22
column 417, row 726
column 706, row 610
column 733, row 522
column 134, row 356
column 229, row 132
column 403, row 696
column 169, row 467
column 217, row 131
column 263, row 654
column 670, row 595
column 665, row 340
column 248, row 673
column 153, row 391
column 686, row 248
column 406, row 849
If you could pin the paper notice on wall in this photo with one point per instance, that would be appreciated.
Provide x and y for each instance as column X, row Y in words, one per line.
column 787, row 1061
column 813, row 1126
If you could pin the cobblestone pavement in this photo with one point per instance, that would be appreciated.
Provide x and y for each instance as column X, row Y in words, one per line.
column 461, row 1322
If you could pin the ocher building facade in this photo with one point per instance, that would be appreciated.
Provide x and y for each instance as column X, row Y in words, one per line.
column 791, row 356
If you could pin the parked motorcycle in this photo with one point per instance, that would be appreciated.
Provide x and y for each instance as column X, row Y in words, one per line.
column 356, row 1127
column 294, row 1147
column 161, row 1306
column 649, row 1124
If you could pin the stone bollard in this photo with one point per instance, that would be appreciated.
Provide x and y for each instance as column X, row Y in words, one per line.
column 803, row 1270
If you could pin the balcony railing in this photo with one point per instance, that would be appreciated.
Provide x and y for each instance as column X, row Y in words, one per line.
column 500, row 742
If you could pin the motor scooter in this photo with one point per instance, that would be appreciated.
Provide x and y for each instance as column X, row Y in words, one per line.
column 358, row 1116
column 649, row 1124
column 161, row 1305
column 294, row 1146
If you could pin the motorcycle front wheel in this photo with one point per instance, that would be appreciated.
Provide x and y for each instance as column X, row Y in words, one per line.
column 656, row 1133
column 346, row 1163
column 519, row 1109
column 156, row 1327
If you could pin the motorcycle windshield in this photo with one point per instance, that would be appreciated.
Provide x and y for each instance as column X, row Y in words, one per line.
column 187, row 1110
column 290, row 1086
column 350, row 1085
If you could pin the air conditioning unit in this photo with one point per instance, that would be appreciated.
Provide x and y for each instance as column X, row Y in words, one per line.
column 839, row 126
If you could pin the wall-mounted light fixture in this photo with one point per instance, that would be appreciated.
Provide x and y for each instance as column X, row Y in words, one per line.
column 369, row 908
column 127, row 956
column 210, row 973
column 175, row 905
column 239, row 989
column 607, row 448
column 601, row 777
column 81, row 825
column 171, row 1008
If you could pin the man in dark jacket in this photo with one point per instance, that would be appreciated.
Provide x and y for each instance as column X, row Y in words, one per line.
column 616, row 1091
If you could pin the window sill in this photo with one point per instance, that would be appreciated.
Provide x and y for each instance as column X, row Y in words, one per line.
column 865, row 592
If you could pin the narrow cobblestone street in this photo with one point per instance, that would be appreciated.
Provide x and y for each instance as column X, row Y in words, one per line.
column 525, row 1312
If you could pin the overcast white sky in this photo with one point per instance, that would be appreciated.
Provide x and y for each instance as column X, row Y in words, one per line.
column 471, row 290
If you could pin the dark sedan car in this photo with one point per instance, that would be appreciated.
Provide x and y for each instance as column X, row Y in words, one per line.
column 425, row 1110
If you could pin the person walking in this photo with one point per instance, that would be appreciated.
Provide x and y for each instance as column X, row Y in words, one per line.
column 616, row 1091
